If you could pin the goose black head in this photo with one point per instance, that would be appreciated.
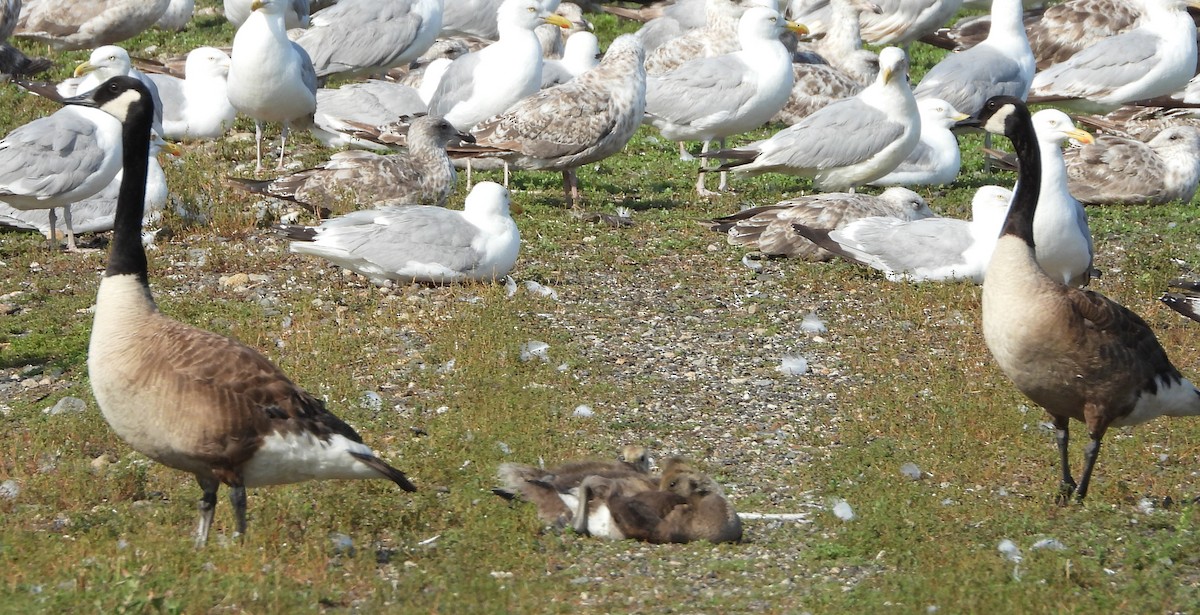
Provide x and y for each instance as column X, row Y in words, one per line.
column 1000, row 115
column 122, row 97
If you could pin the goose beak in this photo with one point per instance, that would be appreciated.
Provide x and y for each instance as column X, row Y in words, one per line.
column 1080, row 135
column 557, row 20
column 801, row 29
column 83, row 100
column 83, row 69
column 969, row 122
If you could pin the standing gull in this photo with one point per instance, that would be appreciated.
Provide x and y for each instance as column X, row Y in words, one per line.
column 1001, row 65
column 271, row 79
column 584, row 120
column 188, row 398
column 936, row 159
column 356, row 38
column 719, row 36
column 925, row 250
column 713, row 98
column 59, row 159
column 80, row 24
column 848, row 143
column 479, row 85
column 109, row 61
column 1122, row 170
column 420, row 243
column 1154, row 59
column 769, row 230
column 296, row 13
column 423, row 174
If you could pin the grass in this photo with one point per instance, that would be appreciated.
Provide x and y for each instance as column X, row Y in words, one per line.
column 903, row 377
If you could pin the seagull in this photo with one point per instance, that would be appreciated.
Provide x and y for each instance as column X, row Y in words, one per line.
column 14, row 63
column 296, row 13
column 356, row 38
column 769, row 230
column 57, row 160
column 925, row 250
column 1076, row 353
column 177, row 15
column 197, row 107
column 842, row 46
column 936, row 159
column 479, row 85
column 271, row 79
column 581, row 54
column 423, row 174
column 420, row 243
column 849, row 142
column 1122, row 170
column 1001, row 65
column 897, row 22
column 718, row 37
column 584, row 120
column 1064, row 241
column 96, row 214
column 104, row 63
column 1154, row 59
column 713, row 98
column 188, row 398
column 374, row 102
column 473, row 18
column 81, row 24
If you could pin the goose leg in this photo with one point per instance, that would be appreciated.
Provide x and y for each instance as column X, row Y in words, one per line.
column 1090, row 453
column 208, row 504
column 237, row 497
column 1061, row 435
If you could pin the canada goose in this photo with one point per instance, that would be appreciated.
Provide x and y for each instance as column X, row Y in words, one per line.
column 271, row 79
column 1076, row 353
column 545, row 487
column 421, row 175
column 190, row 399
column 1187, row 301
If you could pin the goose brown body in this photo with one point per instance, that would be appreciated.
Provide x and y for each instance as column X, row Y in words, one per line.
column 1076, row 353
column 188, row 398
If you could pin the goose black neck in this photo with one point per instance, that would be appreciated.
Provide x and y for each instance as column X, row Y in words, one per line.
column 1019, row 221
column 127, row 255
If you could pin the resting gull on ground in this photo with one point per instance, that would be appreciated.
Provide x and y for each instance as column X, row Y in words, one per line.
column 1154, row 59
column 848, row 143
column 80, row 24
column 584, row 120
column 103, row 63
column 898, row 22
column 1001, row 65
column 929, row 249
column 1123, row 170
column 420, row 243
column 357, row 38
column 479, row 85
column 271, row 79
column 372, row 103
column 423, row 174
column 713, row 98
column 197, row 107
column 936, row 159
column 769, row 229
column 582, row 53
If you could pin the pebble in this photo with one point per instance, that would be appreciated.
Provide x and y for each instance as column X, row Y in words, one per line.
column 101, row 463
column 9, row 490
column 535, row 349
column 911, row 471
column 234, row 280
column 69, row 404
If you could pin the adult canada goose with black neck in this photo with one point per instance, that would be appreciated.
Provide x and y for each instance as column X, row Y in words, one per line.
column 1076, row 353
column 190, row 399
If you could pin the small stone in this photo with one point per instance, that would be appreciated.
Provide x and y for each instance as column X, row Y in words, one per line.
column 911, row 471
column 101, row 463
column 9, row 490
column 342, row 543
column 371, row 401
column 233, row 281
column 72, row 405
column 535, row 349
